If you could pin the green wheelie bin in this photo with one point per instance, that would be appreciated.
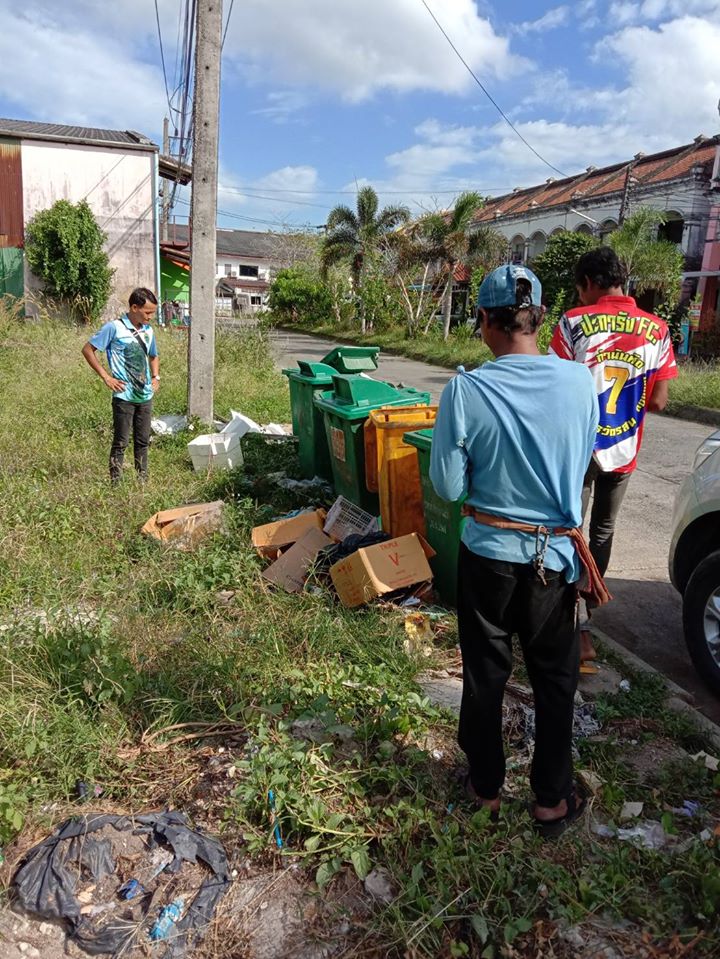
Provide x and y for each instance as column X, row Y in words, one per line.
column 352, row 359
column 307, row 420
column 345, row 409
column 443, row 522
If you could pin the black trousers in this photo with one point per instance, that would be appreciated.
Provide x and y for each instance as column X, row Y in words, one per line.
column 608, row 491
column 495, row 601
column 127, row 416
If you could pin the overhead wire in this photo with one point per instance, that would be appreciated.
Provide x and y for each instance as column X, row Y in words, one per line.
column 487, row 93
column 227, row 24
column 162, row 56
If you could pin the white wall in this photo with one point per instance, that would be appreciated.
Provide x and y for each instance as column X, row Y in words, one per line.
column 119, row 188
column 236, row 261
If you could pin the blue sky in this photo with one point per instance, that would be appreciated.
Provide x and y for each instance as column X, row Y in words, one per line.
column 321, row 95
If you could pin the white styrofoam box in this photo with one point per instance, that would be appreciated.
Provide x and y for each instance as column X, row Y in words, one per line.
column 239, row 425
column 168, row 425
column 215, row 451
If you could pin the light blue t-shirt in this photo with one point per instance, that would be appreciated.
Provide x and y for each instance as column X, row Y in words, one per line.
column 127, row 360
column 516, row 436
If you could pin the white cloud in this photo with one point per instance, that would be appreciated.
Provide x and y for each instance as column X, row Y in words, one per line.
column 54, row 71
column 283, row 106
column 554, row 18
column 356, row 50
column 622, row 12
column 269, row 198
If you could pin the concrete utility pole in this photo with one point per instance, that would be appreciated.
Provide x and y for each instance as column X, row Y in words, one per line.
column 165, row 215
column 203, row 211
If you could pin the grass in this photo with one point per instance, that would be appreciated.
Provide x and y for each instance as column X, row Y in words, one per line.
column 108, row 640
column 698, row 384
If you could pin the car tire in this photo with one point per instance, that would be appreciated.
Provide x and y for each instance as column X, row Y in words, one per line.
column 701, row 620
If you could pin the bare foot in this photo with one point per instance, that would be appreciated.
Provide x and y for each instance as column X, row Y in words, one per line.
column 587, row 650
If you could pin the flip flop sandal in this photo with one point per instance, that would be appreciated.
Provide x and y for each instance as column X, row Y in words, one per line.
column 588, row 668
column 554, row 828
column 472, row 795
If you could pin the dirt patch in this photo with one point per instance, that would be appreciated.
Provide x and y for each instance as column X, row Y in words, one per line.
column 646, row 760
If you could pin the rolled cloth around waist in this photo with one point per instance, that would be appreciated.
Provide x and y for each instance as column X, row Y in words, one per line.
column 592, row 585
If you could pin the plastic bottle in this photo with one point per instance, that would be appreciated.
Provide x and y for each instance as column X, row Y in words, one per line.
column 169, row 915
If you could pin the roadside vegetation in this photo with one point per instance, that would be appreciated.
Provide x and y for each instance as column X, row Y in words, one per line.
column 108, row 642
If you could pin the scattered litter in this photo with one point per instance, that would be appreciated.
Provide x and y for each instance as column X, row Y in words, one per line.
column 648, row 834
column 711, row 762
column 379, row 884
column 130, row 889
column 631, row 810
column 168, row 425
column 420, row 637
column 291, row 569
column 316, row 485
column 345, row 519
column 274, row 820
column 87, row 850
column 377, row 570
column 689, row 809
column 225, row 596
column 585, row 722
column 215, row 451
column 271, row 538
column 240, row 425
column 169, row 916
column 624, row 685
column 590, row 780
column 185, row 526
column 84, row 792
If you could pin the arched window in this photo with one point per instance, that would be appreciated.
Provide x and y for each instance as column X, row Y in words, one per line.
column 673, row 227
column 517, row 249
column 538, row 242
column 584, row 228
column 606, row 228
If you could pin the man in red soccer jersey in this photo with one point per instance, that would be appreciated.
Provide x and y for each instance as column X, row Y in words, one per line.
column 630, row 355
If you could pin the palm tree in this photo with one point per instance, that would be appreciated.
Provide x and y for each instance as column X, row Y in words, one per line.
column 650, row 263
column 353, row 236
column 454, row 243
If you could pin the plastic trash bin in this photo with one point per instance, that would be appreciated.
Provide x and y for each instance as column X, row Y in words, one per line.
column 345, row 409
column 391, row 466
column 352, row 359
column 443, row 522
column 307, row 420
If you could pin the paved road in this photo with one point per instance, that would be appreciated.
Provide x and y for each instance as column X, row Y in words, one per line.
column 646, row 614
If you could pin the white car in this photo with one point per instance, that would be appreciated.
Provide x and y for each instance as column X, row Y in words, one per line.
column 694, row 560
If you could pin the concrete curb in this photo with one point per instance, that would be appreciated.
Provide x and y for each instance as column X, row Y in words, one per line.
column 680, row 700
column 695, row 414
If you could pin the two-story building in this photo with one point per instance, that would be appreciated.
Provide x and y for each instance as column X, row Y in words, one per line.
column 677, row 181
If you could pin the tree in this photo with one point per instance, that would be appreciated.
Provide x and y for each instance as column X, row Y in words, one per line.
column 353, row 236
column 453, row 242
column 64, row 248
column 555, row 268
column 650, row 264
column 297, row 294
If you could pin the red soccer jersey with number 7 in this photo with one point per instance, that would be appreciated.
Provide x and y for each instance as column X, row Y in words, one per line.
column 627, row 351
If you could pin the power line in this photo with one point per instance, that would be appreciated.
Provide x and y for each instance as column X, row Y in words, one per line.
column 380, row 190
column 497, row 106
column 227, row 24
column 240, row 216
column 162, row 56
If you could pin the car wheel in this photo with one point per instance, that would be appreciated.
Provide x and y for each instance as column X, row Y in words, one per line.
column 701, row 620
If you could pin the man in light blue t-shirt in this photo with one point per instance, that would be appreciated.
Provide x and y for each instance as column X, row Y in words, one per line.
column 134, row 377
column 515, row 437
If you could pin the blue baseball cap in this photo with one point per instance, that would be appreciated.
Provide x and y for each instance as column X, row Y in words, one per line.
column 499, row 288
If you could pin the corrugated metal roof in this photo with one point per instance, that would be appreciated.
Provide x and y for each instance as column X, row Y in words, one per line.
column 233, row 242
column 60, row 131
column 12, row 232
column 652, row 170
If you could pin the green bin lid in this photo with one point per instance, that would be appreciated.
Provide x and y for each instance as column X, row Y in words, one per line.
column 317, row 373
column 422, row 439
column 353, row 396
column 352, row 359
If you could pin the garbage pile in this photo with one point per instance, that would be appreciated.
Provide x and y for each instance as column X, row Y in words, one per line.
column 120, row 883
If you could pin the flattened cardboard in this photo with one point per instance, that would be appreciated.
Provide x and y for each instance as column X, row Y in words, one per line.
column 376, row 570
column 269, row 539
column 290, row 571
column 185, row 526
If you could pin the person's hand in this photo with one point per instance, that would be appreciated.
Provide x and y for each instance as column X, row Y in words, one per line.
column 155, row 383
column 117, row 386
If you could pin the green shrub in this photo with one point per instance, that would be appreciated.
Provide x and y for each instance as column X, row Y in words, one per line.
column 64, row 248
column 555, row 267
column 298, row 295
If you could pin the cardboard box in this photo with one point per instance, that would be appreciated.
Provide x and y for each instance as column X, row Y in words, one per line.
column 271, row 538
column 383, row 568
column 290, row 571
column 185, row 526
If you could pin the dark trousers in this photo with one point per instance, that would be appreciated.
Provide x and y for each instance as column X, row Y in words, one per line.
column 127, row 416
column 495, row 601
column 608, row 491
